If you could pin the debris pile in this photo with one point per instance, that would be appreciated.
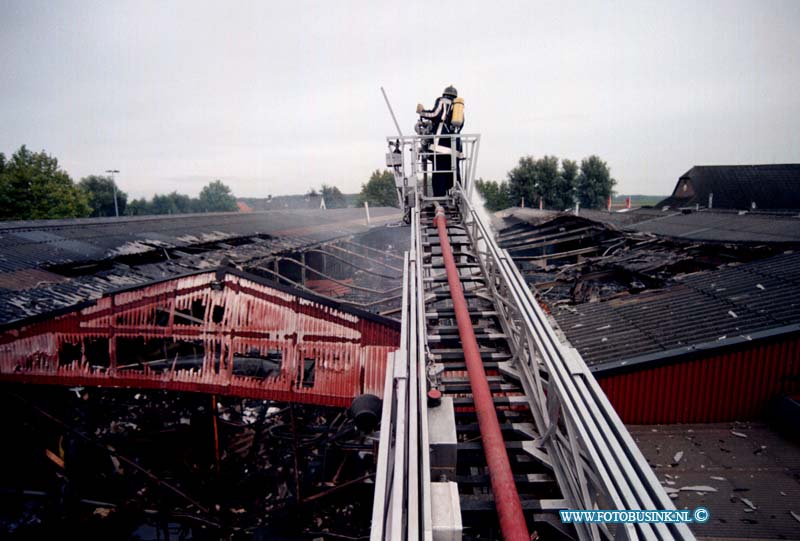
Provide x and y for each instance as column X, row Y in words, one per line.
column 96, row 463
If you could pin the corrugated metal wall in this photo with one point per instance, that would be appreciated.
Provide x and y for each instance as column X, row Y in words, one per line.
column 736, row 384
column 237, row 318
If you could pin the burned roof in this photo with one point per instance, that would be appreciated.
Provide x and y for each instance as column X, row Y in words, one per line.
column 774, row 186
column 44, row 243
column 739, row 302
column 52, row 265
column 709, row 226
column 712, row 226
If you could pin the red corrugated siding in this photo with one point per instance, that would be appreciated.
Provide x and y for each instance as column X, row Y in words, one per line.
column 734, row 385
column 349, row 352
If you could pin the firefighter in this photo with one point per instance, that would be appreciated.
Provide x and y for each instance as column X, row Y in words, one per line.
column 446, row 118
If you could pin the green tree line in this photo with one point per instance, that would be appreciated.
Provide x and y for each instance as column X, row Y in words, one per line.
column 559, row 183
column 214, row 197
column 34, row 187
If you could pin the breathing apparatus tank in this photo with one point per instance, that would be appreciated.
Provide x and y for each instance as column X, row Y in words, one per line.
column 457, row 116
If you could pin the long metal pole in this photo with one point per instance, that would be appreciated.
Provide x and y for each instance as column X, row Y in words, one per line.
column 391, row 112
column 506, row 498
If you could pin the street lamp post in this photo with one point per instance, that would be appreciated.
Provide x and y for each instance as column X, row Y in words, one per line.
column 114, row 184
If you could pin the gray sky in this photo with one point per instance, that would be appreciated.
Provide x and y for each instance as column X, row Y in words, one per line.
column 276, row 97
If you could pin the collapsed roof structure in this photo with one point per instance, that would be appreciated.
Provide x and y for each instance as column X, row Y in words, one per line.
column 684, row 317
column 56, row 264
column 647, row 289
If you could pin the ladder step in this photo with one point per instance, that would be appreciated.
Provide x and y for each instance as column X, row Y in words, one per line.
column 456, row 239
column 458, row 265
column 529, row 478
column 450, row 388
column 453, row 366
column 447, row 337
column 443, row 279
column 453, row 329
column 441, row 295
column 456, row 381
column 449, row 312
column 498, row 400
column 526, row 429
column 445, row 354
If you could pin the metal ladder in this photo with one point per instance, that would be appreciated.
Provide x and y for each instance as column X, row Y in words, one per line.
column 540, row 495
column 565, row 445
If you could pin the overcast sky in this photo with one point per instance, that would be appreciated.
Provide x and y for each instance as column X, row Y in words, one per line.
column 274, row 98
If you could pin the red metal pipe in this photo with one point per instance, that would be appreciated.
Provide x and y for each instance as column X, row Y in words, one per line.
column 506, row 498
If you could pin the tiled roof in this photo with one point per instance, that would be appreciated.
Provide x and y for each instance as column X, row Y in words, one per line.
column 700, row 310
column 774, row 186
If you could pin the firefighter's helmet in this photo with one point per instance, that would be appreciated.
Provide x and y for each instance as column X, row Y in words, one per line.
column 450, row 92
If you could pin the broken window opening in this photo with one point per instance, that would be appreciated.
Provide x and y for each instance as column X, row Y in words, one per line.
column 308, row 371
column 69, row 353
column 97, row 352
column 158, row 354
column 195, row 316
column 254, row 364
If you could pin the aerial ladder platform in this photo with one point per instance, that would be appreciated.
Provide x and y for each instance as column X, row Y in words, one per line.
column 491, row 424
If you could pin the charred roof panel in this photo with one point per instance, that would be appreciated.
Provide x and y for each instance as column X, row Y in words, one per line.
column 733, row 302
column 32, row 244
column 90, row 255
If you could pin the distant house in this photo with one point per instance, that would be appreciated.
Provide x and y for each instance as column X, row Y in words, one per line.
column 740, row 187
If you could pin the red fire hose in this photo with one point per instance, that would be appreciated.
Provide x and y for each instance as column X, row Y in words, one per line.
column 506, row 498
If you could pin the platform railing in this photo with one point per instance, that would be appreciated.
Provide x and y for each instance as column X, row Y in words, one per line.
column 412, row 158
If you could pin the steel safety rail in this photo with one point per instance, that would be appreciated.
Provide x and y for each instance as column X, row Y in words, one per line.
column 424, row 506
column 596, row 462
column 401, row 505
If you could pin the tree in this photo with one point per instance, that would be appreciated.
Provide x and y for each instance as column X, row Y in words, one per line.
column 521, row 182
column 138, row 207
column 555, row 192
column 100, row 192
column 333, row 197
column 496, row 195
column 217, row 197
column 566, row 185
column 532, row 179
column 34, row 187
column 380, row 190
column 594, row 183
column 172, row 203
column 569, row 175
